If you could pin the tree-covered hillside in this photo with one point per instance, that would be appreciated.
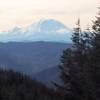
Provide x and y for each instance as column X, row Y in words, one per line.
column 15, row 86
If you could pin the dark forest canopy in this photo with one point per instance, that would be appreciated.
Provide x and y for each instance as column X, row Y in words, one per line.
column 15, row 86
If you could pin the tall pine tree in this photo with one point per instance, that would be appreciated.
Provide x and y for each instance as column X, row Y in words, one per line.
column 95, row 57
column 69, row 68
column 75, row 68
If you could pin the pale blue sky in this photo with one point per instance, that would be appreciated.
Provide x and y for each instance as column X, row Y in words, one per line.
column 25, row 12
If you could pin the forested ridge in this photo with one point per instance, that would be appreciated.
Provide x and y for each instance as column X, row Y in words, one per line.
column 16, row 86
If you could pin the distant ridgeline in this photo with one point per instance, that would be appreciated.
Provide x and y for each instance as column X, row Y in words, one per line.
column 37, row 59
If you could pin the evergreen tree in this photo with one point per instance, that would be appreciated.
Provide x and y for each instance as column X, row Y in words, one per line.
column 67, row 67
column 74, row 66
column 95, row 57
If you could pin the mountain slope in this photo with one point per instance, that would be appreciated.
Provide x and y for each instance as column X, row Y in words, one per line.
column 48, row 76
column 30, row 57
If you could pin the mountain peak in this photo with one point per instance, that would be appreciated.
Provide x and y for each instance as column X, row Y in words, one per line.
column 49, row 25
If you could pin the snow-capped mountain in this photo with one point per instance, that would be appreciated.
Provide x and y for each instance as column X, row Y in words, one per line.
column 44, row 30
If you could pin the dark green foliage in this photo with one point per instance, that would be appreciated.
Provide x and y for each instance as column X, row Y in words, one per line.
column 15, row 86
column 95, row 57
column 76, row 67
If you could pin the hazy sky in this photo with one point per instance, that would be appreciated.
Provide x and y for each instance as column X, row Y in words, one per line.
column 25, row 12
